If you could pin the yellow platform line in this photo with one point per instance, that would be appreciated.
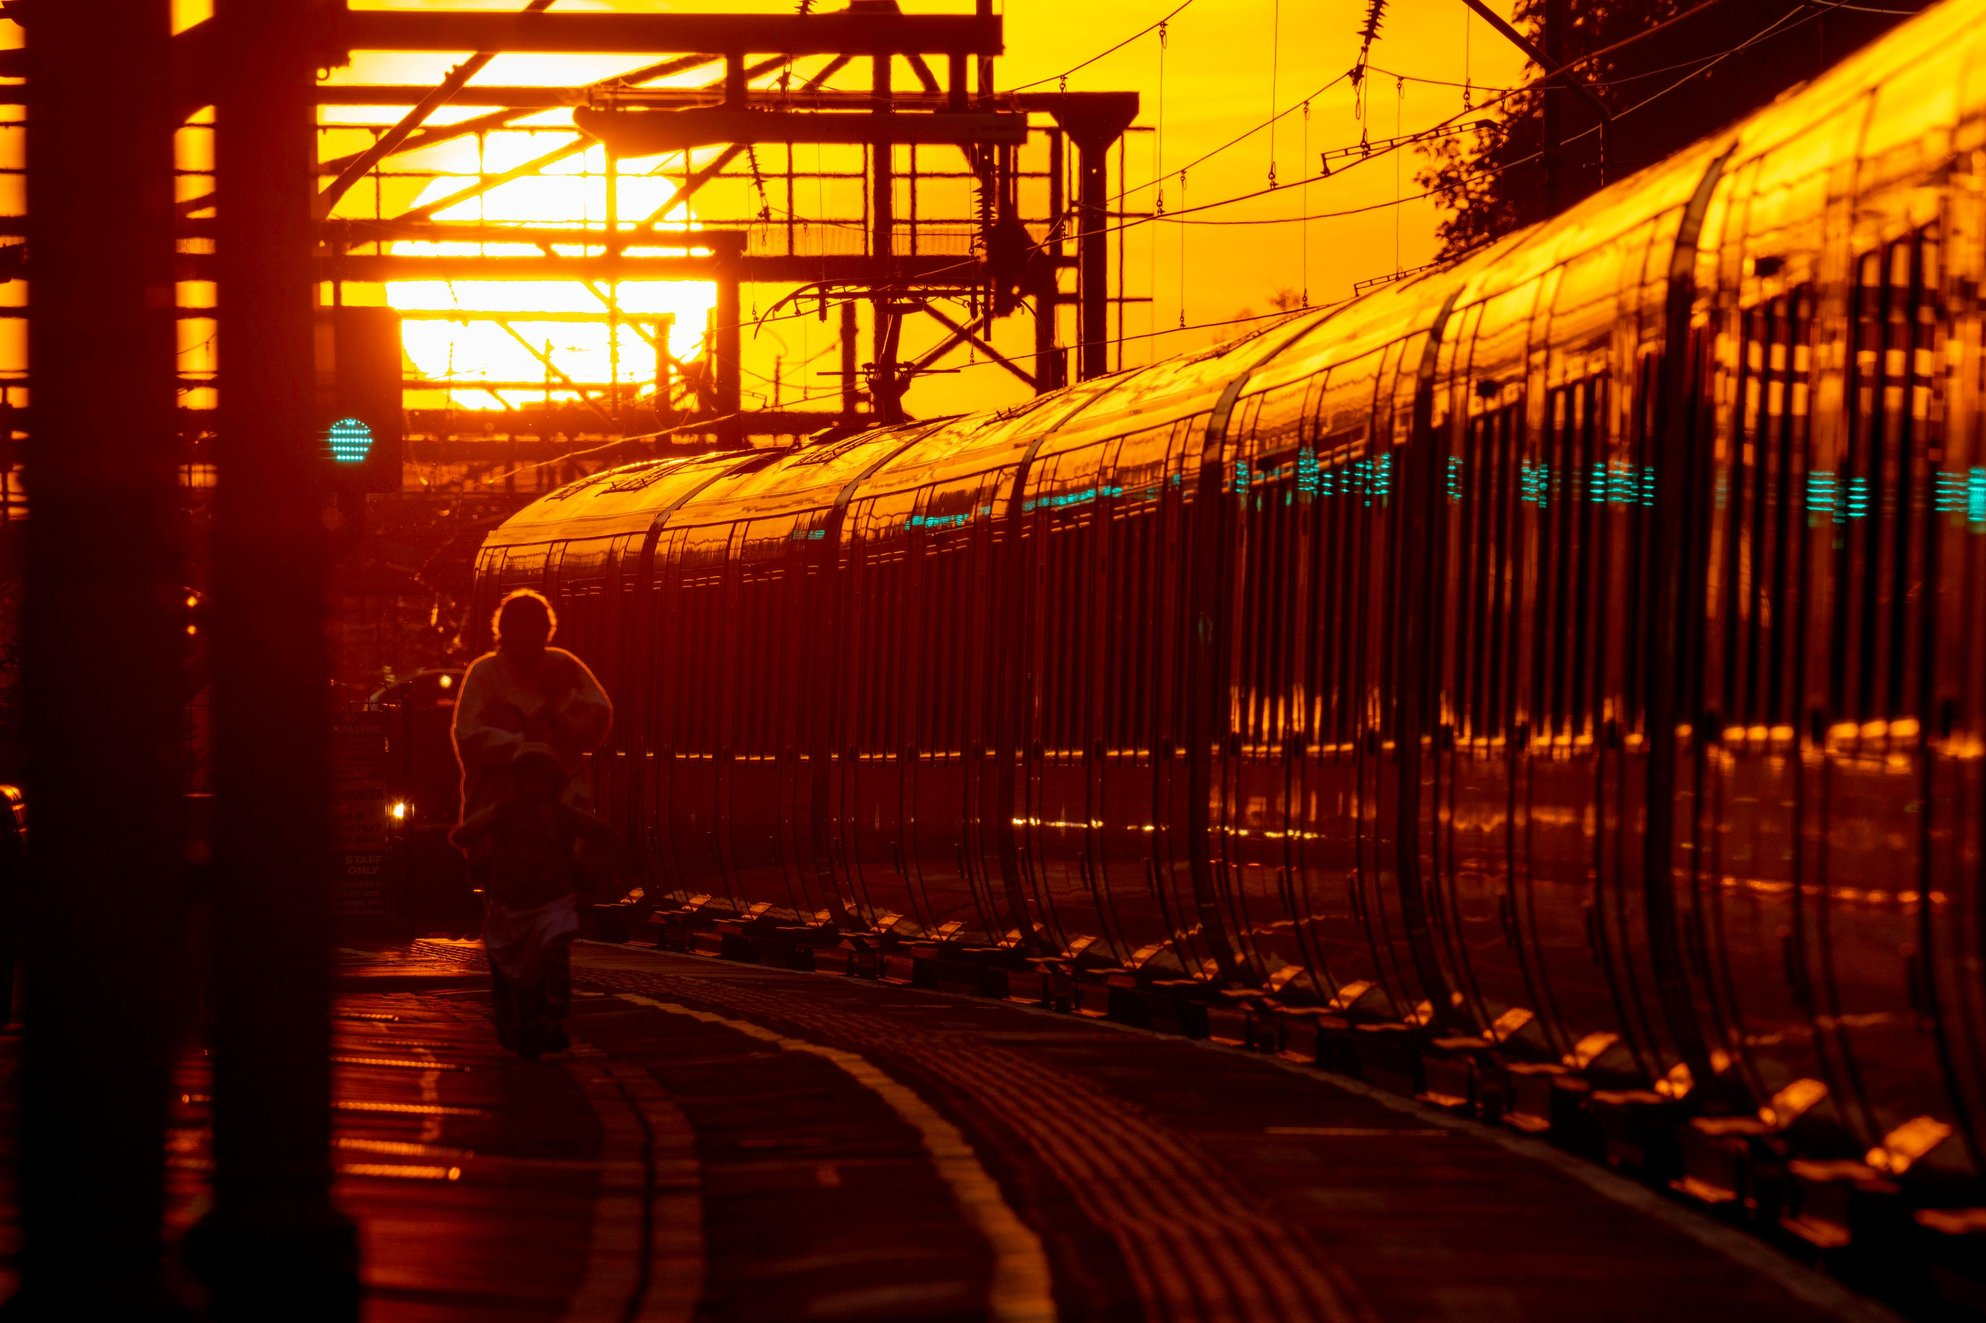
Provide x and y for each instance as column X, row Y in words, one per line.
column 1020, row 1291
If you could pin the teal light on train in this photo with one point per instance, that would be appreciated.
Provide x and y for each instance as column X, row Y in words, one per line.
column 1454, row 479
column 1071, row 498
column 1840, row 499
column 1961, row 493
column 1371, row 478
column 1534, row 484
column 351, row 441
column 1309, row 474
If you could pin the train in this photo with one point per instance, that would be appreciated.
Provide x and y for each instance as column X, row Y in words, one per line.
column 1569, row 659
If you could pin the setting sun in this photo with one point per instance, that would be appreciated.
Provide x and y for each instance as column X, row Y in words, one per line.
column 498, row 341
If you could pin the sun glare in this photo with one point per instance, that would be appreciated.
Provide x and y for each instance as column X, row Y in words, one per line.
column 513, row 351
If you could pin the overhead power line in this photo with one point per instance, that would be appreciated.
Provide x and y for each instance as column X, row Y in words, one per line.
column 1141, row 32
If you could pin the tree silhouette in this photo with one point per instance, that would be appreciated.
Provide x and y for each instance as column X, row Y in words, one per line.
column 1669, row 72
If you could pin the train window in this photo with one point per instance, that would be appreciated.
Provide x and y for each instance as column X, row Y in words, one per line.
column 1561, row 489
column 887, row 609
column 1761, row 548
column 1631, row 483
column 698, row 592
column 1486, row 488
column 1883, row 481
column 1270, row 512
column 755, row 617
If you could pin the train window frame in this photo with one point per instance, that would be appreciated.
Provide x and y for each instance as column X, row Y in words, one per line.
column 1771, row 432
column 1488, row 463
column 1879, row 501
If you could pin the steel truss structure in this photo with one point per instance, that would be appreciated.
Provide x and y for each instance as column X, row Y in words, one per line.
column 929, row 199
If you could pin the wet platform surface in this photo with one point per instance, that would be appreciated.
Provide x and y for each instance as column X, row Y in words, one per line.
column 728, row 1142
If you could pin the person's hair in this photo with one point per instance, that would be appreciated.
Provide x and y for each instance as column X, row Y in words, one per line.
column 524, row 601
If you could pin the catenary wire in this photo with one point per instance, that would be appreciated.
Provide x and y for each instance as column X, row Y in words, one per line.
column 1054, row 78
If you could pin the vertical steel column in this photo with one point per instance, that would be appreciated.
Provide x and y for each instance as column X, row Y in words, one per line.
column 1093, row 257
column 273, row 1245
column 1094, row 121
column 884, row 395
column 728, row 343
column 851, row 395
column 1050, row 362
column 665, row 374
column 1552, row 38
column 104, row 555
column 615, row 249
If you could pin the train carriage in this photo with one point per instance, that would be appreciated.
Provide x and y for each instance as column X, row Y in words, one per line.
column 1574, row 651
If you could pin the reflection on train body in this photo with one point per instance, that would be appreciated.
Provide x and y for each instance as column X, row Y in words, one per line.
column 1578, row 648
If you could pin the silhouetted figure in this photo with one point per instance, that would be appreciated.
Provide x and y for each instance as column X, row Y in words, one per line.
column 526, row 697
column 531, row 901
column 526, row 691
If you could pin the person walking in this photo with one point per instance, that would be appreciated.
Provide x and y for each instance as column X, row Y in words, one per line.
column 526, row 695
column 531, row 900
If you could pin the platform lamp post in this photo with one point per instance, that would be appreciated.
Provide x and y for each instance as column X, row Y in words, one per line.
column 101, row 633
column 273, row 1245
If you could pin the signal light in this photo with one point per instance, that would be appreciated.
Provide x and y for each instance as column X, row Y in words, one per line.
column 350, row 440
column 359, row 374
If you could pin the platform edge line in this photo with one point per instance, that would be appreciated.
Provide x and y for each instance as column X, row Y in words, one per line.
column 1021, row 1289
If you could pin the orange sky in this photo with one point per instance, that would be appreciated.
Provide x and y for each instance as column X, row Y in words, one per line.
column 1227, row 63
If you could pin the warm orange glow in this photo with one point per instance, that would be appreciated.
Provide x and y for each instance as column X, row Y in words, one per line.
column 572, row 193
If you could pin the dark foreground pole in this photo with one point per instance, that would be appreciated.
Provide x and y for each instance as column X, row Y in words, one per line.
column 273, row 1246
column 104, row 555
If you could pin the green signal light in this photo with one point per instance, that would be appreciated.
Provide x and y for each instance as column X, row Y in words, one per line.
column 351, row 441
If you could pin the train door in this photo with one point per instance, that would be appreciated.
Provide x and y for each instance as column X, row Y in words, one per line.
column 692, row 565
column 1759, row 589
column 757, row 698
column 1270, row 484
column 793, row 738
column 607, row 658
column 947, row 538
column 1062, row 515
column 1481, row 493
column 1336, row 888
column 1470, row 877
column 990, row 627
column 1875, row 908
column 1953, row 932
column 879, row 690
column 1138, row 665
column 1174, row 814
column 1393, row 901
column 631, row 700
column 1576, row 932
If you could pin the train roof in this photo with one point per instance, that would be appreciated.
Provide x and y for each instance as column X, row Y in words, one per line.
column 1926, row 58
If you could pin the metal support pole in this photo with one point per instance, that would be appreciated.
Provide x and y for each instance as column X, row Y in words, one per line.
column 884, row 393
column 665, row 370
column 101, row 637
column 1093, row 258
column 1094, row 121
column 1552, row 39
column 726, row 347
column 1049, row 367
column 851, row 394
column 614, row 252
column 273, row 1246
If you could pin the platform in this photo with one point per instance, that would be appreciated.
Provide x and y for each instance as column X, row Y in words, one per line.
column 728, row 1142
